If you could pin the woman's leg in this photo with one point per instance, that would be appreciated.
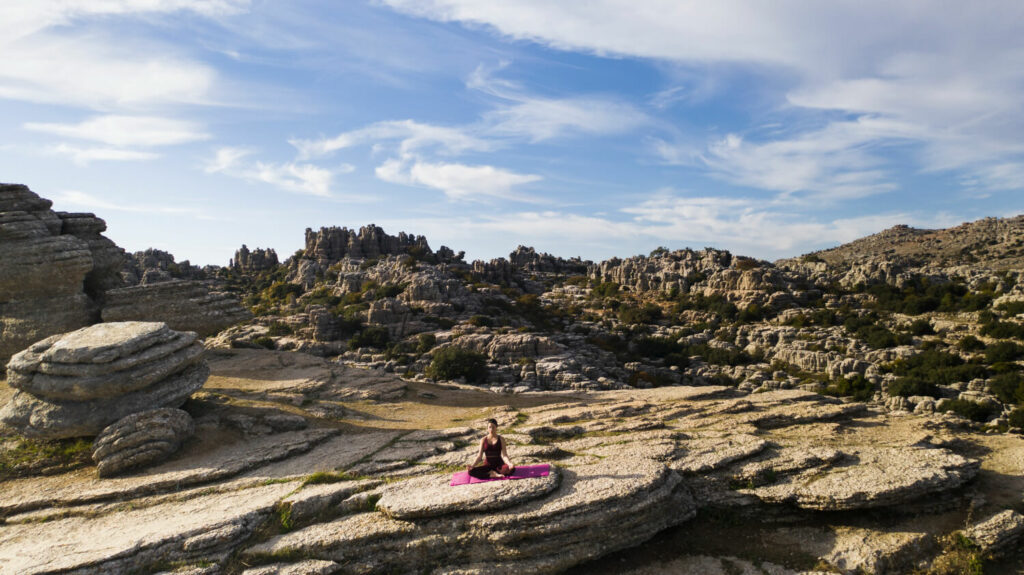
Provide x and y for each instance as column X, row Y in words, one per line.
column 480, row 472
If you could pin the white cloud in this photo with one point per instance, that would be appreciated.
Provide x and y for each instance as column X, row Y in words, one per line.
column 293, row 177
column 90, row 202
column 457, row 181
column 116, row 130
column 840, row 161
column 538, row 118
column 955, row 76
column 51, row 55
column 411, row 135
column 85, row 156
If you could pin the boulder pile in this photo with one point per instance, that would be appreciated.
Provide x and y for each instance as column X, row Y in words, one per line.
column 75, row 384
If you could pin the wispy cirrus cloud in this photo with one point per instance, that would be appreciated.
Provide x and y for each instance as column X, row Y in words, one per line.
column 956, row 77
column 295, row 177
column 458, row 181
column 83, row 200
column 121, row 130
column 411, row 136
column 83, row 156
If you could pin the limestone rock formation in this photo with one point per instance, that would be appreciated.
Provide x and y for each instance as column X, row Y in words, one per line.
column 76, row 384
column 154, row 266
column 107, row 257
column 183, row 305
column 140, row 439
column 330, row 245
column 545, row 535
column 997, row 533
column 255, row 260
column 42, row 271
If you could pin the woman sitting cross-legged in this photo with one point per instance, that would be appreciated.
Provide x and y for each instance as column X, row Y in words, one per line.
column 492, row 447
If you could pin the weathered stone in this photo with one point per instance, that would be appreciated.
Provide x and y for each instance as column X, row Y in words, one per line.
column 183, row 305
column 313, row 500
column 873, row 477
column 432, row 495
column 308, row 567
column 997, row 533
column 140, row 439
column 38, row 418
column 136, row 540
column 103, row 360
column 705, row 454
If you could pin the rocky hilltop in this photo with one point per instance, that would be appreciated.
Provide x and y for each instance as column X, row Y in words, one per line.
column 855, row 410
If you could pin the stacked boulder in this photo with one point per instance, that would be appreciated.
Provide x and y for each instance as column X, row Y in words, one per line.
column 76, row 384
column 183, row 305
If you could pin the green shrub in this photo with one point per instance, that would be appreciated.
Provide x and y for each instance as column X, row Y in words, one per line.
column 716, row 304
column 1011, row 307
column 389, row 290
column 425, row 342
column 1017, row 417
column 373, row 336
column 264, row 341
column 970, row 409
column 908, row 386
column 857, row 387
column 938, row 367
column 1009, row 387
column 1002, row 329
column 633, row 315
column 481, row 321
column 278, row 329
column 921, row 327
column 454, row 362
column 605, row 289
column 1003, row 351
column 971, row 343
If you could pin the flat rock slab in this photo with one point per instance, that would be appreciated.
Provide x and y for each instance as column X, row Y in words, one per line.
column 707, row 565
column 308, row 567
column 706, row 454
column 432, row 496
column 997, row 532
column 873, row 477
column 136, row 539
column 225, row 461
column 100, row 343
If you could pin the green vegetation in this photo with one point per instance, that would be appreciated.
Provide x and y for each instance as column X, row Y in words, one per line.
column 971, row 343
column 264, row 341
column 972, row 410
column 454, row 362
column 924, row 371
column 867, row 328
column 373, row 336
column 716, row 304
column 1009, row 387
column 1003, row 351
column 278, row 329
column 921, row 295
column 20, row 456
column 857, row 387
column 647, row 313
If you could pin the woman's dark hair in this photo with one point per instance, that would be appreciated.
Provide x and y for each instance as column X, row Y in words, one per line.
column 494, row 421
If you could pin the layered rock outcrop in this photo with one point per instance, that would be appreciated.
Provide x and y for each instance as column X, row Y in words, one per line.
column 75, row 384
column 255, row 260
column 140, row 439
column 42, row 270
column 183, row 305
column 330, row 245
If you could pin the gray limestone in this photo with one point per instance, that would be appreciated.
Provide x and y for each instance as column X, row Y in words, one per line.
column 997, row 533
column 431, row 496
column 140, row 439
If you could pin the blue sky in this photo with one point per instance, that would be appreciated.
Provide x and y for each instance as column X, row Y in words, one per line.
column 597, row 129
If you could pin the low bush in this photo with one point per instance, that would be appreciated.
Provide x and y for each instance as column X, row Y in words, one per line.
column 278, row 329
column 425, row 342
column 455, row 362
column 373, row 336
column 1009, row 387
column 264, row 341
column 1003, row 351
column 971, row 343
column 1017, row 417
column 908, row 386
column 857, row 387
column 972, row 410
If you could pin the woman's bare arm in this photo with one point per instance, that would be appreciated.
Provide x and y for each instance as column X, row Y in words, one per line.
column 504, row 454
column 479, row 454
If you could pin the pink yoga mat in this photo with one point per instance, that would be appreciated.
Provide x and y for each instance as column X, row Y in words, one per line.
column 521, row 472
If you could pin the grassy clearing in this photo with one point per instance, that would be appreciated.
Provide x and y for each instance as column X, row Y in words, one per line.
column 20, row 457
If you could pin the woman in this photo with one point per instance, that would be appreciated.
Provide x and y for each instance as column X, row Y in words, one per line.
column 492, row 446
